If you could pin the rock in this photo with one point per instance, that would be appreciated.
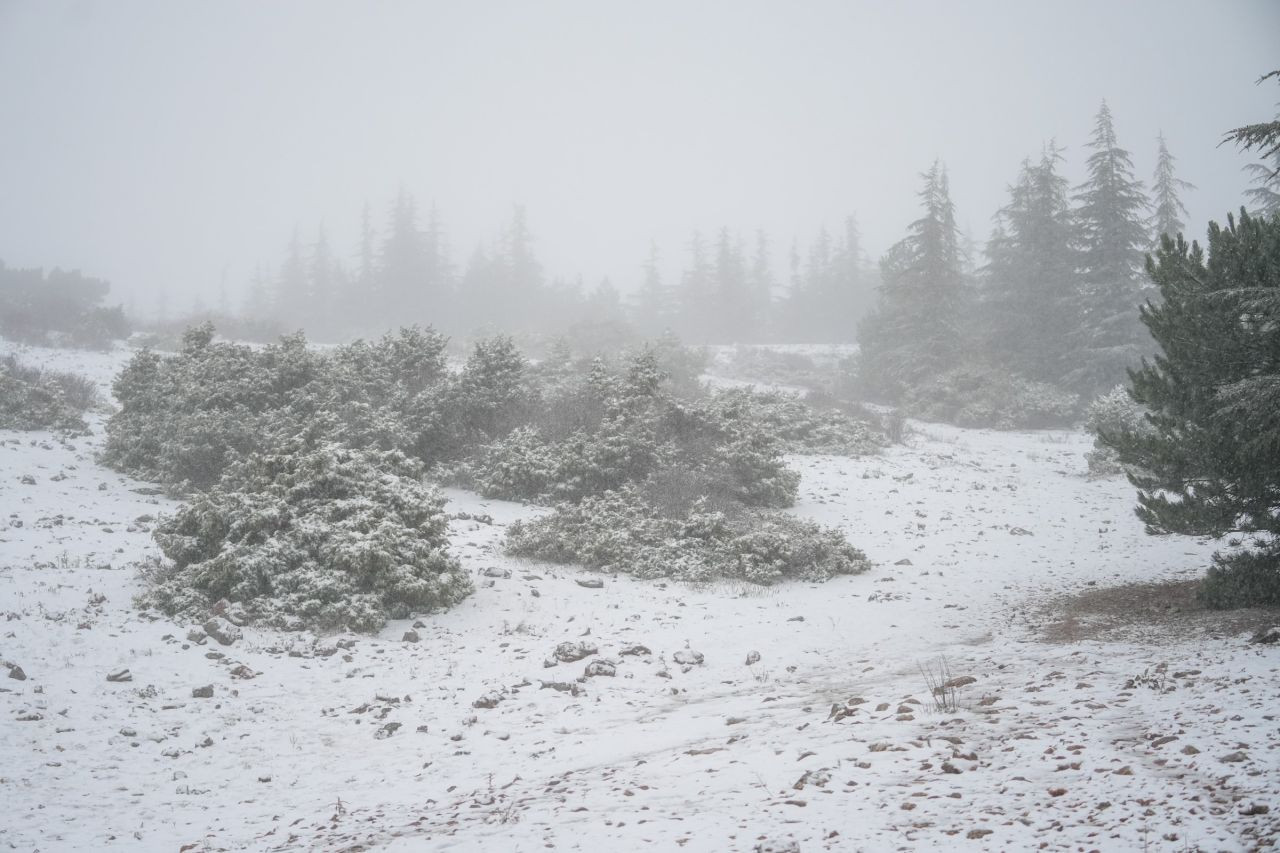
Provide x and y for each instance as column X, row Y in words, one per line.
column 796, row 619
column 1020, row 531
column 28, row 480
column 978, row 833
column 205, row 692
column 591, row 583
column 410, row 637
column 687, row 657
column 1256, row 809
column 497, row 572
column 904, row 562
column 1190, row 750
column 16, row 673
column 386, row 731
column 636, row 650
column 243, row 672
column 1267, row 636
column 197, row 636
column 488, row 700
column 570, row 687
column 959, row 681
column 752, row 658
column 571, row 652
column 1234, row 757
column 222, row 630
column 236, row 614
column 120, row 675
column 601, row 667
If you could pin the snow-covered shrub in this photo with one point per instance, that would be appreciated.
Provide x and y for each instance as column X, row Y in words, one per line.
column 1117, row 413
column 802, row 426
column 624, row 532
column 321, row 537
column 1244, row 579
column 31, row 398
column 979, row 396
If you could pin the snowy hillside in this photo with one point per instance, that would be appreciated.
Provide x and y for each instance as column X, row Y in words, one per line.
column 562, row 709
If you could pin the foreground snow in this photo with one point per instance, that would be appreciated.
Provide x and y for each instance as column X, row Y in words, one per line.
column 1163, row 738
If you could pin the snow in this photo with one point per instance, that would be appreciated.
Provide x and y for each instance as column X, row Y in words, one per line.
column 1048, row 745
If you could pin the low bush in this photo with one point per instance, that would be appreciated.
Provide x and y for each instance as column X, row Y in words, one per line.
column 980, row 396
column 1117, row 413
column 623, row 531
column 34, row 399
column 323, row 537
column 1247, row 579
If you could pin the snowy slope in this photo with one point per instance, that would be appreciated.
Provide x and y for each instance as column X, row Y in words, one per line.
column 353, row 742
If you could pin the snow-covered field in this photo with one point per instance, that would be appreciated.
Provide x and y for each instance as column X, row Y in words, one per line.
column 1163, row 735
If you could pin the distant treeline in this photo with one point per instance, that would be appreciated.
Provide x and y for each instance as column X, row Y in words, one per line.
column 57, row 308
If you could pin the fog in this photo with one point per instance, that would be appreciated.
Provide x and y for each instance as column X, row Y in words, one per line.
column 173, row 147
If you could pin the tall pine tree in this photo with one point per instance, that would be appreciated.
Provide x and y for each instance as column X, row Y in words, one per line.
column 1112, row 237
column 915, row 333
column 1166, row 196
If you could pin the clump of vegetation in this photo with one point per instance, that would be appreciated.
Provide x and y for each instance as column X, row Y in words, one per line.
column 628, row 532
column 224, row 421
column 1114, row 412
column 318, row 536
column 31, row 398
column 976, row 396
column 58, row 309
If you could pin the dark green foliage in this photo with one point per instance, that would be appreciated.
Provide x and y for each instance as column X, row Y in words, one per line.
column 973, row 395
column 31, row 398
column 58, row 309
column 1210, row 465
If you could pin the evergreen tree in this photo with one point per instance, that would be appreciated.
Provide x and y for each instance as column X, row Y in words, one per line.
column 1030, row 279
column 1166, row 201
column 731, row 316
column 291, row 286
column 915, row 332
column 697, row 293
column 760, row 289
column 1210, row 464
column 652, row 308
column 1112, row 236
column 1265, row 192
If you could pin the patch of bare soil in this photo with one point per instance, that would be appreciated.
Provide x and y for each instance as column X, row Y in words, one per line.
column 1145, row 611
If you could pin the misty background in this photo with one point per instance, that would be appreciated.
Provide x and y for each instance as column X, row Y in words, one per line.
column 175, row 148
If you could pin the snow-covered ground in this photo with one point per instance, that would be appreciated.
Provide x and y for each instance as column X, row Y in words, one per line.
column 1160, row 737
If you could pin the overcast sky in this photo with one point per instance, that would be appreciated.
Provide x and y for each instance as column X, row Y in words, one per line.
column 169, row 144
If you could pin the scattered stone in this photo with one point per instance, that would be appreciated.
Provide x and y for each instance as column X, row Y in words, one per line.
column 978, row 833
column 687, row 657
column 591, row 583
column 120, row 675
column 753, row 658
column 197, row 636
column 1190, row 750
column 243, row 672
column 904, row 562
column 959, row 681
column 497, row 572
column 205, row 692
column 488, row 700
column 571, row 652
column 1256, row 809
column 818, row 778
column 410, row 637
column 30, row 717
column 636, row 650
column 222, row 630
column 733, row 721
column 601, row 667
column 28, row 480
column 16, row 673
column 796, row 619
column 386, row 731
column 570, row 687
column 1234, row 758
column 1020, row 531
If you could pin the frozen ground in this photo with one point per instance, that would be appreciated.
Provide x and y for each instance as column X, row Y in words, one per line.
column 1159, row 734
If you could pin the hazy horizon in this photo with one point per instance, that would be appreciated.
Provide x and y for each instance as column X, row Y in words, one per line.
column 170, row 147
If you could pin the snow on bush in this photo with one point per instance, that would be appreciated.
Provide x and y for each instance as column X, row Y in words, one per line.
column 323, row 537
column 625, row 532
column 31, row 398
column 1114, row 412
column 979, row 396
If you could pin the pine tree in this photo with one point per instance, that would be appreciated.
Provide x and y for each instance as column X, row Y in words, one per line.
column 1264, row 195
column 732, row 315
column 697, row 293
column 1030, row 279
column 651, row 307
column 915, row 332
column 1210, row 464
column 291, row 286
column 760, row 289
column 1112, row 236
column 1166, row 201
